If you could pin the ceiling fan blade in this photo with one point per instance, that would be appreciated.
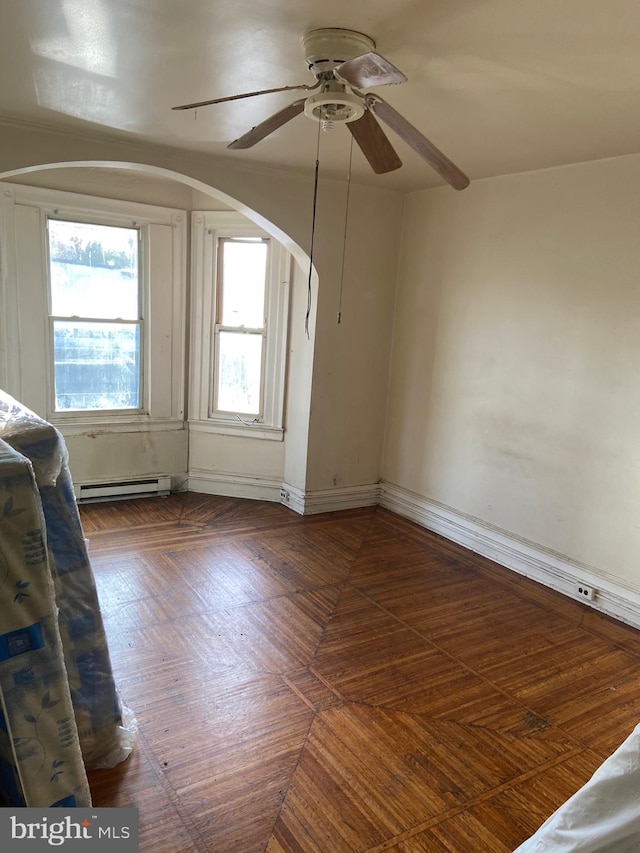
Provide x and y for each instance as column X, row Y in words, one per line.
column 369, row 70
column 374, row 144
column 427, row 150
column 246, row 95
column 268, row 125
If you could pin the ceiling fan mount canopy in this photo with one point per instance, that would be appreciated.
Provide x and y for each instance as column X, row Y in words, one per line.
column 328, row 47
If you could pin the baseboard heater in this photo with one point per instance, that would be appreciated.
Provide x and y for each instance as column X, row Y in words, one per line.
column 154, row 487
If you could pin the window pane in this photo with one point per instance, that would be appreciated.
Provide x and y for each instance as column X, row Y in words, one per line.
column 97, row 365
column 244, row 268
column 94, row 270
column 239, row 372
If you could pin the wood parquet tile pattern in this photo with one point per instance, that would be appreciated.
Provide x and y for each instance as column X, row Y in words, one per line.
column 343, row 682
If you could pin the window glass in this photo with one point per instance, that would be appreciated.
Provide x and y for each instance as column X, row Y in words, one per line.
column 96, row 365
column 243, row 272
column 94, row 270
column 239, row 372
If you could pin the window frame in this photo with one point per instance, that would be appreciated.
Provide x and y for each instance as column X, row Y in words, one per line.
column 219, row 326
column 24, row 211
column 62, row 415
column 207, row 228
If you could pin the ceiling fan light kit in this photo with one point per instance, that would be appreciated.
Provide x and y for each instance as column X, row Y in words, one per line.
column 345, row 62
column 330, row 108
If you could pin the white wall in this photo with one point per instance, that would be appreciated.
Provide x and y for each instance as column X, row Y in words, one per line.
column 98, row 456
column 515, row 390
column 350, row 376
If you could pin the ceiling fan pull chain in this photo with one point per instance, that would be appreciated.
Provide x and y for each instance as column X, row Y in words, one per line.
column 313, row 234
column 344, row 240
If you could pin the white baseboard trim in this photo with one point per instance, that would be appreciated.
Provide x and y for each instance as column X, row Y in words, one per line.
column 534, row 561
column 234, row 485
column 344, row 497
column 527, row 558
column 292, row 497
column 263, row 489
column 330, row 500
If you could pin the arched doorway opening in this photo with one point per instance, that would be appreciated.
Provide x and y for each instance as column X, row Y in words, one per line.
column 269, row 465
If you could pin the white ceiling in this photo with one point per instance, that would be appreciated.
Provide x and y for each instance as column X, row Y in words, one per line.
column 500, row 86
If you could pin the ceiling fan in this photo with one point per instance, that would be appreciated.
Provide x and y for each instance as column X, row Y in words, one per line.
column 345, row 63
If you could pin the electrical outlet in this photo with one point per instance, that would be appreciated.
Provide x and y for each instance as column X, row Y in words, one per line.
column 284, row 496
column 585, row 591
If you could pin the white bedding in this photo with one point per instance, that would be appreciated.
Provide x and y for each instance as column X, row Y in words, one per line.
column 603, row 816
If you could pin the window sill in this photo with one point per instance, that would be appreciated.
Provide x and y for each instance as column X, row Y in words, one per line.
column 139, row 423
column 238, row 429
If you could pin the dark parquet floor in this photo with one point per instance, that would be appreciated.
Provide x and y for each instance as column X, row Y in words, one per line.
column 343, row 682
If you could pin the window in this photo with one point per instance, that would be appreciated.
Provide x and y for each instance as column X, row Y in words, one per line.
column 95, row 316
column 240, row 279
column 240, row 329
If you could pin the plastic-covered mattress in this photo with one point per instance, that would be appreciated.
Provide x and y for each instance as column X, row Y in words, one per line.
column 603, row 816
column 61, row 711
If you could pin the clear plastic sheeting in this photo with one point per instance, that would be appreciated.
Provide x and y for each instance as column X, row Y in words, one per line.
column 122, row 742
column 603, row 816
column 49, row 589
column 49, row 454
